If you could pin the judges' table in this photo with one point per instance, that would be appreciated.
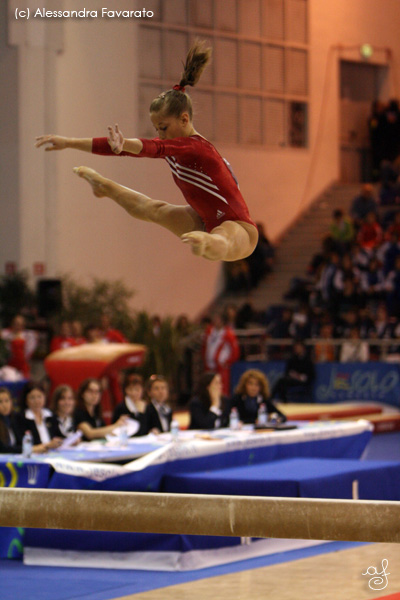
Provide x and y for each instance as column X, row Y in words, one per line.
column 162, row 457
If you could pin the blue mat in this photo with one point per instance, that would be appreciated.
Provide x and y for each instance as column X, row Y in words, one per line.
column 305, row 477
column 21, row 582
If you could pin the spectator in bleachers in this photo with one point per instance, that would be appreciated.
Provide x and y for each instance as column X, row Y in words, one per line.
column 230, row 314
column 301, row 326
column 109, row 334
column 280, row 326
column 246, row 316
column 382, row 329
column 237, row 276
column 359, row 257
column 298, row 377
column 370, row 234
column 372, row 283
column 261, row 261
column 393, row 350
column 388, row 252
column 64, row 339
column 93, row 334
column 341, row 231
column 392, row 287
column 347, row 321
column 324, row 350
column 325, row 281
column 347, row 299
column 346, row 270
column 376, row 136
column 363, row 204
column 394, row 227
column 366, row 321
column 391, row 131
column 221, row 349
column 354, row 349
column 77, row 332
column 21, row 344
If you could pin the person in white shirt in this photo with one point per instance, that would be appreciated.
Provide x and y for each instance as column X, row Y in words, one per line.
column 354, row 349
column 36, row 418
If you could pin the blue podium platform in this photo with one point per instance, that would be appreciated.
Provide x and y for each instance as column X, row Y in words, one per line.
column 303, row 477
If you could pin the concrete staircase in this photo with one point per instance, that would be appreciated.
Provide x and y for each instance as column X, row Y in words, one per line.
column 297, row 246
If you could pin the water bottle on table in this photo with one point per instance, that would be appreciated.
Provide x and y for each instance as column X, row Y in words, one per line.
column 27, row 444
column 234, row 419
column 174, row 430
column 262, row 416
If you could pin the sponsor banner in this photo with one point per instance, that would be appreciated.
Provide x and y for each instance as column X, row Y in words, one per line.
column 339, row 382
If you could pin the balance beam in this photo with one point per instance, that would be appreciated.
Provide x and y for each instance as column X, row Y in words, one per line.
column 190, row 514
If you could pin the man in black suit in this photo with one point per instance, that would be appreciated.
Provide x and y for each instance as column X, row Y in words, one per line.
column 158, row 413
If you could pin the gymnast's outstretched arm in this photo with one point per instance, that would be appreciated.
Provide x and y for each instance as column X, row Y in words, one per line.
column 59, row 142
column 115, row 139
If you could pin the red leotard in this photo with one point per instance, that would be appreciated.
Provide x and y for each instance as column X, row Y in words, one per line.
column 203, row 176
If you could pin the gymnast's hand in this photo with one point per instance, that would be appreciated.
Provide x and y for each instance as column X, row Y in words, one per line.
column 52, row 142
column 115, row 139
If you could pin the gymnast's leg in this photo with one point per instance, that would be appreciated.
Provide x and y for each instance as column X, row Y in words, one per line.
column 232, row 240
column 177, row 219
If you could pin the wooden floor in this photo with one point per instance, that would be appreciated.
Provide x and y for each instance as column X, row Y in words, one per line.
column 332, row 576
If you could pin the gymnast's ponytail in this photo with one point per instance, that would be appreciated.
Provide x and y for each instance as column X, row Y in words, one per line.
column 175, row 101
column 197, row 59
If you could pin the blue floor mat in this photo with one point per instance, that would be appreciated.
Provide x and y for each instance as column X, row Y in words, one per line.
column 21, row 582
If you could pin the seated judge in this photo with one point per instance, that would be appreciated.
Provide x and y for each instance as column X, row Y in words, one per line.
column 133, row 404
column 158, row 413
column 63, row 405
column 209, row 408
column 10, row 430
column 251, row 393
column 88, row 417
column 36, row 418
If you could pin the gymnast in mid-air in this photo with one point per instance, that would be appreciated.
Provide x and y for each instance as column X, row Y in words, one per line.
column 216, row 223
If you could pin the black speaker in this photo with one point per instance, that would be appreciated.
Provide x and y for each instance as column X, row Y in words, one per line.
column 49, row 297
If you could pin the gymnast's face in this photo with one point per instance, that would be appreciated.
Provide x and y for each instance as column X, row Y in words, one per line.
column 168, row 128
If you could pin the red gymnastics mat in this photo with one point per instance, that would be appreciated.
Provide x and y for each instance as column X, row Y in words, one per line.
column 391, row 597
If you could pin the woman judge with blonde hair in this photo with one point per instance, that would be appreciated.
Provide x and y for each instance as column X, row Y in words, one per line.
column 216, row 224
column 251, row 392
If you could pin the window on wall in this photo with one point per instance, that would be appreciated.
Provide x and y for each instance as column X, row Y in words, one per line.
column 255, row 91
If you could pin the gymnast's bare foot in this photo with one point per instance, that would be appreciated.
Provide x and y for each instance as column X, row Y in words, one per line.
column 96, row 180
column 213, row 247
column 196, row 240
